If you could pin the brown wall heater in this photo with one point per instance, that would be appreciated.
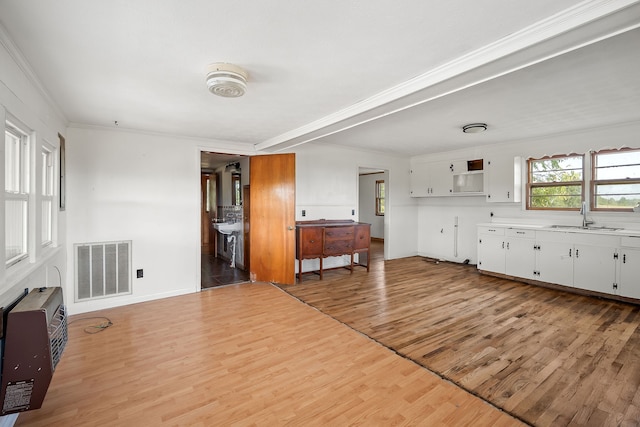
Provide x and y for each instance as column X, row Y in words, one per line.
column 36, row 334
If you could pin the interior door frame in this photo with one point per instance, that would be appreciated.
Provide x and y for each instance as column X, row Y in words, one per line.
column 199, row 149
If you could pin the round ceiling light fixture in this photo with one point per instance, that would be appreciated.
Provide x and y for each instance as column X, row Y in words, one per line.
column 227, row 80
column 474, row 128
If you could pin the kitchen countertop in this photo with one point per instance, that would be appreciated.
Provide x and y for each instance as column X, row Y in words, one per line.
column 566, row 229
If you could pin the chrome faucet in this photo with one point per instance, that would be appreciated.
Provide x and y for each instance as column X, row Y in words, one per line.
column 583, row 211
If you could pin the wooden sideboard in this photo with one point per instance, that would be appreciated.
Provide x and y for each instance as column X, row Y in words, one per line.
column 326, row 238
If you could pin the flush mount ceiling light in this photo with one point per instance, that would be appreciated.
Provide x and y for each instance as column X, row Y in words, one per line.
column 226, row 80
column 474, row 128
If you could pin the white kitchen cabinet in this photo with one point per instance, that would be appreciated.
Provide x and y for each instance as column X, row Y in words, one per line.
column 441, row 179
column 607, row 263
column 506, row 250
column 503, row 179
column 519, row 253
column 433, row 179
column 554, row 258
column 419, row 180
column 594, row 264
column 629, row 261
column 491, row 249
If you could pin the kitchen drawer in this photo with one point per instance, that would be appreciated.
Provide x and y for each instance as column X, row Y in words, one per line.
column 517, row 232
column 630, row 241
column 497, row 231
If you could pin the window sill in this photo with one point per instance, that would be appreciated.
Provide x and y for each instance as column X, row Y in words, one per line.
column 19, row 272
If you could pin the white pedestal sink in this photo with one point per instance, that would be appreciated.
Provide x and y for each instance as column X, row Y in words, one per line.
column 229, row 230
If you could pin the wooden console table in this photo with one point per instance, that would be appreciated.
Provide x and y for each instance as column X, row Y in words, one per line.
column 325, row 238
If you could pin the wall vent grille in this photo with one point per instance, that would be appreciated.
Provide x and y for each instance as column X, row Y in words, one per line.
column 102, row 269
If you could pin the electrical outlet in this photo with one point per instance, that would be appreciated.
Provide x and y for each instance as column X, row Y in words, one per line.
column 139, row 273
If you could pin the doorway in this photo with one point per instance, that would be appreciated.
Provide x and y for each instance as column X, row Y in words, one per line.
column 221, row 257
column 373, row 186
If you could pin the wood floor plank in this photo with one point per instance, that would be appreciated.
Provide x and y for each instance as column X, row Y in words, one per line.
column 550, row 357
column 244, row 355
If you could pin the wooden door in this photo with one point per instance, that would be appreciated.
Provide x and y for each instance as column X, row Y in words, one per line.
column 272, row 212
column 208, row 234
column 246, row 201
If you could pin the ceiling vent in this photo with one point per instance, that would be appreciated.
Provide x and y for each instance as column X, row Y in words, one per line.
column 226, row 80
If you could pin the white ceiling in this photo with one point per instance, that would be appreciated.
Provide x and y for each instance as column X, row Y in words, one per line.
column 397, row 77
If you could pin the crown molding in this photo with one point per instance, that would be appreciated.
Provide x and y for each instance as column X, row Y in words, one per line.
column 544, row 30
column 27, row 70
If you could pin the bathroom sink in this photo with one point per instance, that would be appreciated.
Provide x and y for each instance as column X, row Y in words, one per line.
column 226, row 228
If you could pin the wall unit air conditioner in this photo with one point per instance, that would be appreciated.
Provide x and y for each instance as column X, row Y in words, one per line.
column 35, row 337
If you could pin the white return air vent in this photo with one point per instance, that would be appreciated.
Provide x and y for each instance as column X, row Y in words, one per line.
column 102, row 269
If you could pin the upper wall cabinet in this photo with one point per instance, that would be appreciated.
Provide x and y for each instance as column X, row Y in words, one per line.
column 447, row 178
column 504, row 179
column 431, row 179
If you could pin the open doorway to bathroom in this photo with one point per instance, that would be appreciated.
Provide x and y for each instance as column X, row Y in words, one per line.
column 222, row 178
column 373, row 185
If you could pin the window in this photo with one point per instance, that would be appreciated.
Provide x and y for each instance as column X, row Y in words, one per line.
column 615, row 179
column 555, row 183
column 47, row 195
column 380, row 194
column 16, row 165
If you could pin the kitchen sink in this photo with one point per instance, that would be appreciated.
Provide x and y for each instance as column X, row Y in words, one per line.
column 588, row 227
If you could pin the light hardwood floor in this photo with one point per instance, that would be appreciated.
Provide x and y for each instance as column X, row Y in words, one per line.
column 243, row 355
column 549, row 357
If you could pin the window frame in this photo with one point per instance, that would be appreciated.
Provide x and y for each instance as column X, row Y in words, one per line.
column 47, row 193
column 530, row 186
column 593, row 182
column 20, row 189
column 380, row 200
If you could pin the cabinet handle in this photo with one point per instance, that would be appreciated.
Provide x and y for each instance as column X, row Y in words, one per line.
column 507, row 245
column 502, row 245
column 576, row 253
column 312, row 241
column 624, row 258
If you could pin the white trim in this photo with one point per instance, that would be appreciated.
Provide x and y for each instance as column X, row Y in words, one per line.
column 23, row 64
column 544, row 30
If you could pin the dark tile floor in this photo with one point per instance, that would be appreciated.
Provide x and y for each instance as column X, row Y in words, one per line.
column 216, row 272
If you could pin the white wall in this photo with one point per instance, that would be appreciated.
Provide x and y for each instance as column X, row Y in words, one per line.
column 436, row 215
column 20, row 99
column 327, row 179
column 367, row 203
column 124, row 185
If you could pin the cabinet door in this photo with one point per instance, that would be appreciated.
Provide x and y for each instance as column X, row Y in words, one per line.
column 594, row 268
column 629, row 282
column 554, row 262
column 440, row 179
column 491, row 253
column 503, row 175
column 419, row 180
column 362, row 236
column 309, row 242
column 520, row 258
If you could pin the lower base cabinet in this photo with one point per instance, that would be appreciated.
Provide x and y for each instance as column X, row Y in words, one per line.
column 629, row 260
column 604, row 263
